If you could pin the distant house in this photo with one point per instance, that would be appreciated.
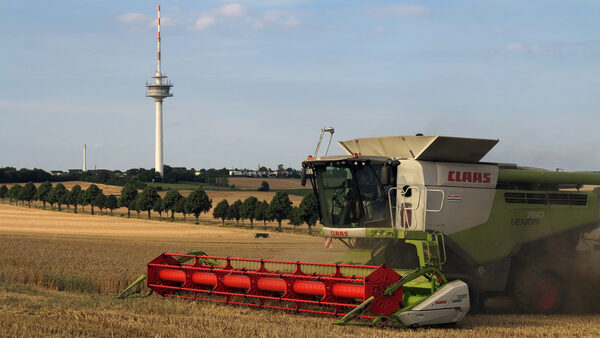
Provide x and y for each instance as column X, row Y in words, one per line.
column 245, row 173
column 235, row 173
column 57, row 172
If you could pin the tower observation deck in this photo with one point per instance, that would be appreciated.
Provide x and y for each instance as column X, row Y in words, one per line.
column 158, row 90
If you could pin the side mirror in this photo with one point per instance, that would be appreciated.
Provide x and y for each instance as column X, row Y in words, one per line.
column 303, row 177
column 386, row 175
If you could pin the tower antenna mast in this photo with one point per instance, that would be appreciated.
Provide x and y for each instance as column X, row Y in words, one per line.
column 160, row 89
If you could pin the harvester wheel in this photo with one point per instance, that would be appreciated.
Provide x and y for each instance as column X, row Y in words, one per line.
column 476, row 298
column 539, row 292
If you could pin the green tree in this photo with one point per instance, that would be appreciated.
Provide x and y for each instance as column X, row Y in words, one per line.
column 128, row 195
column 170, row 202
column 135, row 205
column 197, row 202
column 83, row 199
column 3, row 192
column 309, row 211
column 280, row 207
column 262, row 212
column 74, row 196
column 147, row 199
column 100, row 201
column 112, row 203
column 235, row 211
column 295, row 218
column 57, row 195
column 264, row 186
column 90, row 195
column 249, row 209
column 159, row 206
column 42, row 193
column 27, row 193
column 14, row 192
column 180, row 207
column 220, row 211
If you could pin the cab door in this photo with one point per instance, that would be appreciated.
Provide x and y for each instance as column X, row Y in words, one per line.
column 411, row 197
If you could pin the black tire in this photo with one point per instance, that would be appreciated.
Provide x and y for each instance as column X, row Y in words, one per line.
column 476, row 298
column 539, row 291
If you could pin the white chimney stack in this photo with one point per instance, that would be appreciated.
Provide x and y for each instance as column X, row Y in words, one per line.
column 84, row 159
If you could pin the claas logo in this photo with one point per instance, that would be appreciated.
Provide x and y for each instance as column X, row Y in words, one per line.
column 469, row 176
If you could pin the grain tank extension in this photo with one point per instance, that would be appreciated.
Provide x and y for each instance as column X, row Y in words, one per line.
column 499, row 227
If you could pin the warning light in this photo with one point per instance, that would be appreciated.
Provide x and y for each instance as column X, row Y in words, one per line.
column 309, row 157
column 355, row 155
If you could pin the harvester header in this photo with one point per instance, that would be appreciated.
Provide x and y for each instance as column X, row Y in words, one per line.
column 354, row 292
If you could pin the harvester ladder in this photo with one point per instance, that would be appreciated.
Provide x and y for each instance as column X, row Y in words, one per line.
column 431, row 251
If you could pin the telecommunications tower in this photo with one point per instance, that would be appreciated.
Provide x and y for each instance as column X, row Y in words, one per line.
column 158, row 90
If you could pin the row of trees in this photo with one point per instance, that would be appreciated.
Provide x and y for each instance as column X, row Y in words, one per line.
column 148, row 200
column 60, row 195
column 196, row 203
column 278, row 209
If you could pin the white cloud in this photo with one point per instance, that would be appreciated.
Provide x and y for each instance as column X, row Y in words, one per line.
column 536, row 49
column 131, row 17
column 406, row 11
column 282, row 18
column 232, row 10
column 490, row 51
column 379, row 30
column 140, row 21
column 516, row 47
column 204, row 22
column 258, row 24
column 291, row 22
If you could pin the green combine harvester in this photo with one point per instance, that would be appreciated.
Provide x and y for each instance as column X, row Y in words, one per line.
column 431, row 231
column 498, row 227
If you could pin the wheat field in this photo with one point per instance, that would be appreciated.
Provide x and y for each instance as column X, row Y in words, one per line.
column 59, row 270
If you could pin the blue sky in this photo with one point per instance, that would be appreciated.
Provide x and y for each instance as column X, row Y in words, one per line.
column 254, row 81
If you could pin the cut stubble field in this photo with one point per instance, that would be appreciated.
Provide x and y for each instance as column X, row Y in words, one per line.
column 59, row 270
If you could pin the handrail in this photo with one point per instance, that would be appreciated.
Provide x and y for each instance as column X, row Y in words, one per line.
column 426, row 252
column 392, row 218
column 418, row 198
column 441, row 203
column 441, row 246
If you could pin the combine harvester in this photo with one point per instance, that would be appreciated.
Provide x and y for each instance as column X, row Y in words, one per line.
column 405, row 206
column 500, row 228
